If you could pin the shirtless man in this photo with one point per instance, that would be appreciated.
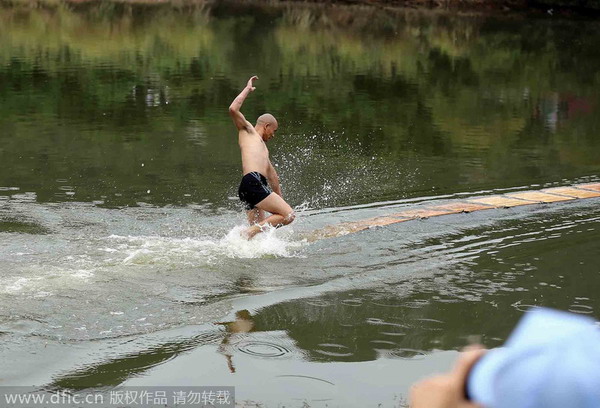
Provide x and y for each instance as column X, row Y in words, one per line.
column 254, row 191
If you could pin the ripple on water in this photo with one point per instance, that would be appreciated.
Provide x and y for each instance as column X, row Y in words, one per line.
column 392, row 333
column 417, row 304
column 581, row 309
column 305, row 377
column 523, row 307
column 430, row 324
column 433, row 321
column 333, row 350
column 384, row 303
column 352, row 302
column 318, row 303
column 263, row 349
column 390, row 327
column 383, row 343
column 380, row 322
column 406, row 354
column 23, row 325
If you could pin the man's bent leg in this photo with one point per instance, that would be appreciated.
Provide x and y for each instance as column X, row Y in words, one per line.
column 262, row 215
column 283, row 214
column 276, row 205
column 255, row 216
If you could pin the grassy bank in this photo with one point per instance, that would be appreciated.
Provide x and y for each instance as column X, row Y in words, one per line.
column 548, row 7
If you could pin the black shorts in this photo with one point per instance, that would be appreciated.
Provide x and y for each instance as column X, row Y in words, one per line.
column 253, row 189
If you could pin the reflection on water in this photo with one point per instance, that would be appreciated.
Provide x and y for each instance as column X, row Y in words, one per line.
column 125, row 104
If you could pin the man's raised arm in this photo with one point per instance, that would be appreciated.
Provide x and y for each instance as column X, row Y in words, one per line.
column 234, row 109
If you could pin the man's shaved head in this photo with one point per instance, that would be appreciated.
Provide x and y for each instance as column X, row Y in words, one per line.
column 266, row 125
column 265, row 119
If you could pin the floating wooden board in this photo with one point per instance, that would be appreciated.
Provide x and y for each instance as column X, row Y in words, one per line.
column 463, row 206
column 351, row 227
column 572, row 192
column 594, row 186
column 539, row 197
column 332, row 231
column 501, row 201
column 381, row 221
column 424, row 213
column 548, row 195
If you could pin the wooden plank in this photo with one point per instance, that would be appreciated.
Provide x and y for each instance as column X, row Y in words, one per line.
column 463, row 206
column 424, row 213
column 381, row 221
column 501, row 201
column 548, row 195
column 572, row 192
column 345, row 228
column 332, row 231
column 539, row 196
column 593, row 186
column 375, row 222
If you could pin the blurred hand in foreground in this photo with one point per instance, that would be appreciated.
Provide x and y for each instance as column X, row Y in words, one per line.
column 447, row 390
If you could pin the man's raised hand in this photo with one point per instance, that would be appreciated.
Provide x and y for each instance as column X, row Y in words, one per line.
column 234, row 109
column 249, row 86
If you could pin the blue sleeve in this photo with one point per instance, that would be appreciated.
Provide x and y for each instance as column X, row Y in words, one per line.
column 552, row 359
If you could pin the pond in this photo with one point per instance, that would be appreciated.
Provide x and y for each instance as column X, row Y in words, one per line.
column 120, row 256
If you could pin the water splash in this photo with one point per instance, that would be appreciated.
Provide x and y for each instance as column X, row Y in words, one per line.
column 144, row 250
column 310, row 161
column 270, row 242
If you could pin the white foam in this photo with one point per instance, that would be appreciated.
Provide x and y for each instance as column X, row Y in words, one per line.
column 21, row 285
column 17, row 285
column 146, row 250
column 270, row 242
column 82, row 274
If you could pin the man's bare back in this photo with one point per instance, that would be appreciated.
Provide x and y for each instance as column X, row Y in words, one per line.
column 259, row 190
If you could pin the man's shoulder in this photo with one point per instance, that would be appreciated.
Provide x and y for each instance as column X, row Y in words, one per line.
column 249, row 133
column 248, row 130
